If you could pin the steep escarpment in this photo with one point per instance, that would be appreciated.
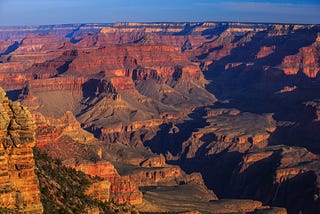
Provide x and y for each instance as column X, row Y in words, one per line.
column 306, row 61
column 64, row 139
column 148, row 94
column 122, row 60
column 239, row 141
column 116, row 86
column 69, row 191
column 157, row 180
column 19, row 184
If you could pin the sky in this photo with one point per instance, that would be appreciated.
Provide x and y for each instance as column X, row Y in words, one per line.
column 44, row 12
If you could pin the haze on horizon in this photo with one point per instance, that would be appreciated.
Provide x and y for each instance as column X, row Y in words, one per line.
column 44, row 12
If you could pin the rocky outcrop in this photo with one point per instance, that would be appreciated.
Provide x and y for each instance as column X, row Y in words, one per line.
column 131, row 127
column 123, row 60
column 64, row 139
column 135, row 85
column 157, row 161
column 50, row 130
column 37, row 43
column 122, row 189
column 99, row 190
column 306, row 61
column 229, row 129
column 55, row 84
column 265, row 51
column 19, row 184
column 4, row 46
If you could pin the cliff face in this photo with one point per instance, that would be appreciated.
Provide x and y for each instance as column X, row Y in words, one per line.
column 37, row 43
column 19, row 184
column 136, row 85
column 65, row 190
column 122, row 190
column 64, row 139
column 306, row 61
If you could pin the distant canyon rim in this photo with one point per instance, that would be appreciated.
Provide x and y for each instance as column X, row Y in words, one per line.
column 209, row 117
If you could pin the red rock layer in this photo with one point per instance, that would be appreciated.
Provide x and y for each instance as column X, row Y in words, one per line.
column 4, row 45
column 123, row 189
column 67, row 130
column 60, row 83
column 37, row 43
column 122, row 60
column 306, row 61
column 18, row 183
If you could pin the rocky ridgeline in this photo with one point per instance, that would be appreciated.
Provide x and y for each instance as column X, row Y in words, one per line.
column 19, row 187
column 136, row 85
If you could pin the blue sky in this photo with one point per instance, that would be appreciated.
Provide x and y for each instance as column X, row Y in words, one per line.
column 40, row 12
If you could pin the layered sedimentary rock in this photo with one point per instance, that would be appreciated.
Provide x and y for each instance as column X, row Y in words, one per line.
column 223, row 130
column 4, row 46
column 64, row 139
column 19, row 184
column 122, row 190
column 123, row 60
column 137, row 85
column 306, row 61
column 66, row 190
column 37, row 43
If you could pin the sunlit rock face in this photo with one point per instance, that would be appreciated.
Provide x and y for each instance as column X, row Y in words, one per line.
column 19, row 184
column 217, row 100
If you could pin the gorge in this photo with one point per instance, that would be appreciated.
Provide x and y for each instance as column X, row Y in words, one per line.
column 215, row 117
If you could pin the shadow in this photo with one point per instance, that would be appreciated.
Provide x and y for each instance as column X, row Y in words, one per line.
column 205, row 55
column 14, row 94
column 253, row 85
column 63, row 68
column 72, row 33
column 250, row 76
column 91, row 87
column 216, row 170
column 219, row 29
column 303, row 130
column 303, row 135
column 167, row 141
column 299, row 194
column 10, row 49
column 255, row 182
column 188, row 29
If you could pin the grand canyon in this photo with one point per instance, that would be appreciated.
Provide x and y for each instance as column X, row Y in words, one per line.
column 195, row 117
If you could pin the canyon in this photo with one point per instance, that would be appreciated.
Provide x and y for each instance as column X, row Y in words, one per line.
column 160, row 112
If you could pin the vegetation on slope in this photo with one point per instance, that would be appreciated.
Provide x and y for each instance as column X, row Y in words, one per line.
column 63, row 189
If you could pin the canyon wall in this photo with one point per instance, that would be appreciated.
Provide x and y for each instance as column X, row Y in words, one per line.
column 19, row 184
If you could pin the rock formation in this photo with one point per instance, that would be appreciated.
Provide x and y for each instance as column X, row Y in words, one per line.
column 19, row 184
column 156, row 85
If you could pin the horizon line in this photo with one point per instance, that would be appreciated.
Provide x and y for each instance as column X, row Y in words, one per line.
column 156, row 22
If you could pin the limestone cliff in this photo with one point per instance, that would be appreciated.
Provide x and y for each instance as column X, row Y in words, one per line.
column 19, row 187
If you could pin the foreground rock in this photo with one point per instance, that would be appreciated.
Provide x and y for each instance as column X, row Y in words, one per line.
column 19, row 187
